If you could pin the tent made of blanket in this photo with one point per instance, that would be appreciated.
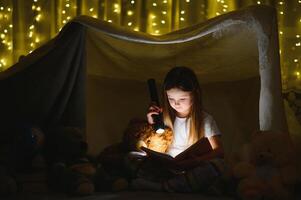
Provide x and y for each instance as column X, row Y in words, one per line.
column 93, row 75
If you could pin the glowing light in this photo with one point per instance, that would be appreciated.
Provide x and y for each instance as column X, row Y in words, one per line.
column 154, row 24
column 258, row 2
column 281, row 12
column 8, row 9
column 296, row 60
column 182, row 19
column 182, row 12
column 281, row 33
column 298, row 44
column 157, row 31
column 297, row 36
column 132, row 2
column 1, row 8
column 38, row 8
column 110, row 21
column 164, row 12
column 63, row 11
column 2, row 36
column 154, row 4
column 165, row 1
column 31, row 27
column 136, row 29
column 153, row 16
column 225, row 10
column 37, row 40
column 129, row 13
column 130, row 24
column 187, row 1
column 35, row 0
column 91, row 9
column 64, row 21
column 30, row 34
column 298, row 73
column 33, row 7
column 281, row 2
column 162, row 21
column 67, row 5
column 217, row 13
column 5, row 31
column 38, row 17
column 68, row 18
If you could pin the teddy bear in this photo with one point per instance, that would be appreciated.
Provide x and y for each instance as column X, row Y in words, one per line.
column 139, row 133
column 71, row 170
column 266, row 168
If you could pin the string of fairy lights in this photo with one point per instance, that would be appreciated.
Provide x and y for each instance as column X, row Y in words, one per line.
column 155, row 17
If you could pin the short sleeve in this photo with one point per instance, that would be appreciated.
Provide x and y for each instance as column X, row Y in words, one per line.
column 210, row 126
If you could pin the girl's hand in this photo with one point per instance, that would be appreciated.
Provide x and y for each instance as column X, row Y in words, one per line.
column 152, row 110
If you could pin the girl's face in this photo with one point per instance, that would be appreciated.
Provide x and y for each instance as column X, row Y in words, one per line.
column 180, row 101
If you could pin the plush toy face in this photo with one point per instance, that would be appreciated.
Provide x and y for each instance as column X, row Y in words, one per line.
column 272, row 148
column 140, row 133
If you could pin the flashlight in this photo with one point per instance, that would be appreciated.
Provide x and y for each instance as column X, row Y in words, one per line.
column 158, row 119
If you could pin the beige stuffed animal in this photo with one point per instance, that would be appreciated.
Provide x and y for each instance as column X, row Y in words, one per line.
column 267, row 170
column 139, row 133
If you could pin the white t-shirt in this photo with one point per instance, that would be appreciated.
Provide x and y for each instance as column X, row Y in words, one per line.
column 181, row 133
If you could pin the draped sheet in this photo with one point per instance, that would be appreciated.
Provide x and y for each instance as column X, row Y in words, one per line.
column 93, row 75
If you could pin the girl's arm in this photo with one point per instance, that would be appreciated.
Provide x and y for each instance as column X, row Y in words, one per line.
column 217, row 152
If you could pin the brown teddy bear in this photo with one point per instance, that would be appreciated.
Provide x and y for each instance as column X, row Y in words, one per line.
column 139, row 133
column 267, row 168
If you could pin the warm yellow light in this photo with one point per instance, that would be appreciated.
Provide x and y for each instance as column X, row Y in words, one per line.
column 38, row 17
column 130, row 24
column 295, row 60
column 37, row 40
column 8, row 9
column 33, row 7
column 64, row 21
column 187, row 1
column 153, row 16
column 35, row 0
column 297, row 36
column 110, row 21
column 32, row 44
column 182, row 12
column 95, row 16
column 136, row 29
column 298, row 73
column 281, row 2
column 129, row 12
column 68, row 18
column 165, row 1
column 67, row 5
column 225, row 10
column 298, row 44
column 281, row 13
column 280, row 32
column 154, row 24
column 30, row 34
column 38, row 8
column 162, row 21
column 31, row 27
column 2, row 35
column 258, row 2
column 217, row 13
column 5, row 31
column 154, row 4
column 1, row 8
column 164, row 12
column 132, row 2
column 299, row 1
column 182, row 19
column 63, row 11
column 225, row 6
column 157, row 31
column 116, row 5
column 91, row 9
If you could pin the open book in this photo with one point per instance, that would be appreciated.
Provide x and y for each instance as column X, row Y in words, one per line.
column 201, row 147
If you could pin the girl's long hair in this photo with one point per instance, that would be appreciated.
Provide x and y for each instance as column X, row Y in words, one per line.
column 185, row 79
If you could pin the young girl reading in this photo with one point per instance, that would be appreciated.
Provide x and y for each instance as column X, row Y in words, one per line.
column 183, row 113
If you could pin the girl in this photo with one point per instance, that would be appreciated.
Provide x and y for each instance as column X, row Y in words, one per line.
column 184, row 114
